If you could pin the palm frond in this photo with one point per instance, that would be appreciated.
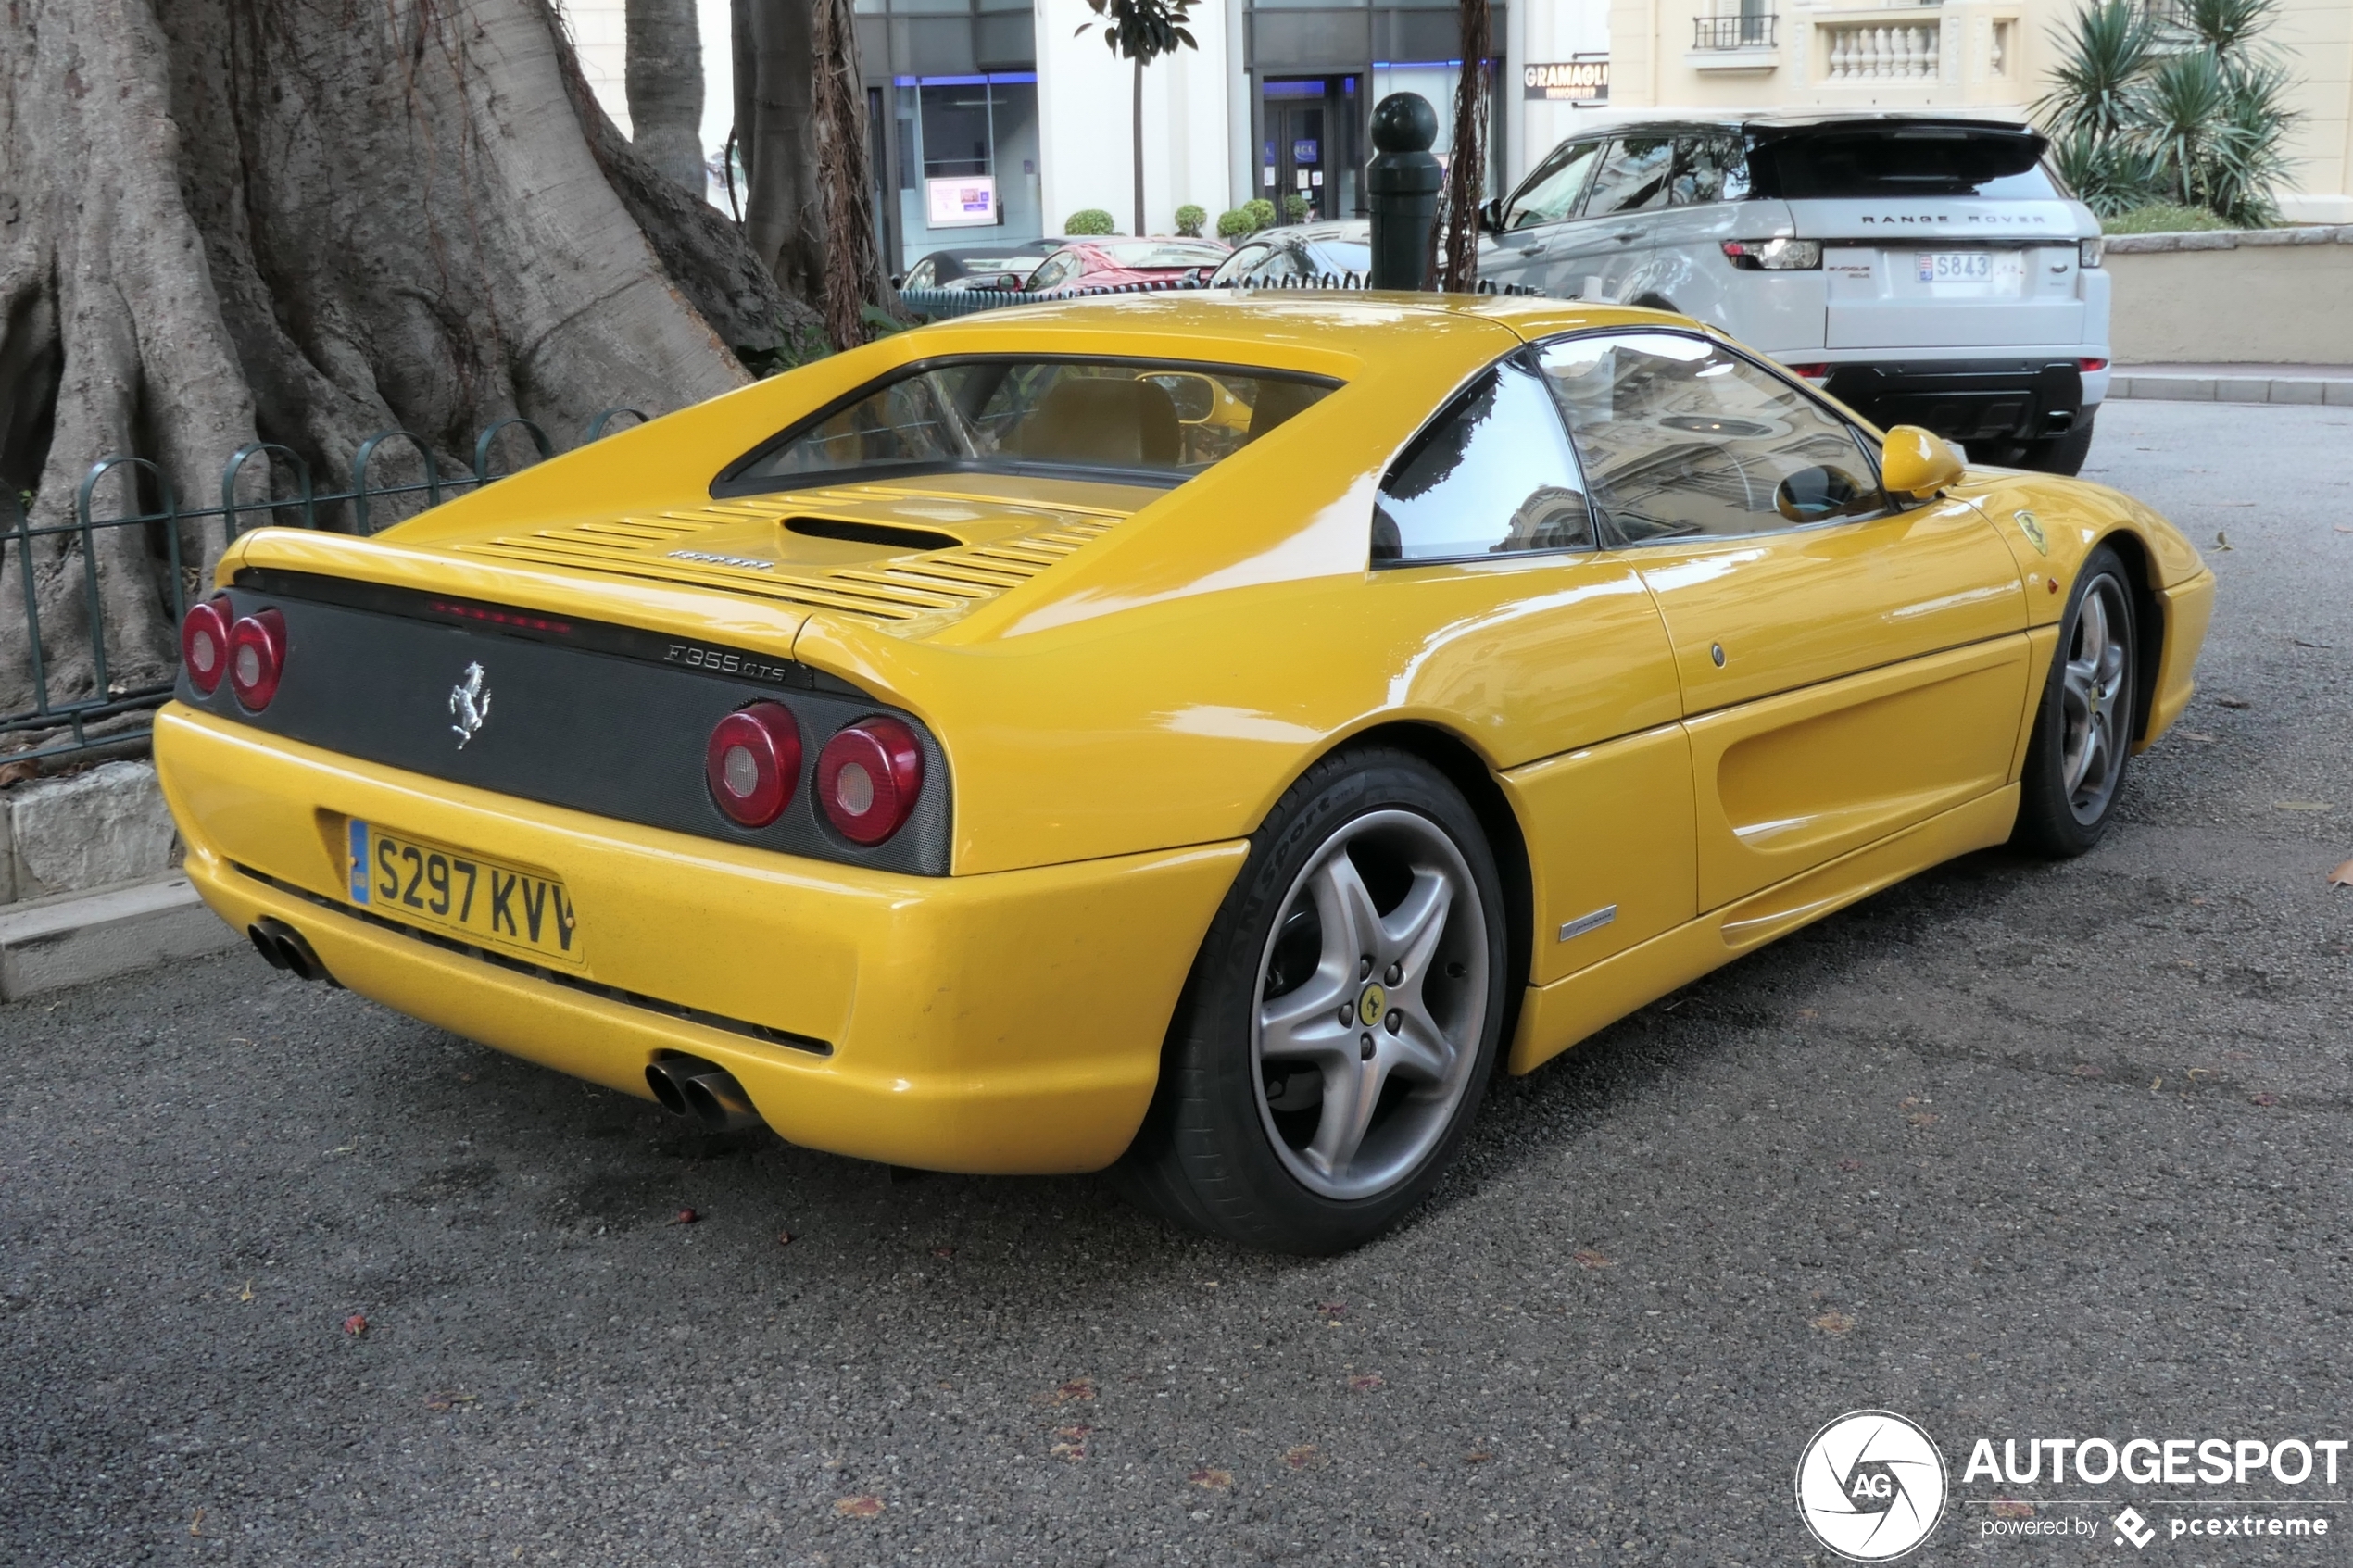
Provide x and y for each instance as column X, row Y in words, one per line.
column 2102, row 55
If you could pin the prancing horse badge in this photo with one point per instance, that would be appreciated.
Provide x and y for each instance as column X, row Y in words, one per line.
column 470, row 705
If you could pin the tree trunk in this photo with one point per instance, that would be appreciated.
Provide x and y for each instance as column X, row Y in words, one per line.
column 665, row 83
column 793, row 128
column 1467, row 165
column 230, row 220
column 1136, row 141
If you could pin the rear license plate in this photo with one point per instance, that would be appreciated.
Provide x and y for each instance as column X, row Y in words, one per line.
column 465, row 894
column 1953, row 267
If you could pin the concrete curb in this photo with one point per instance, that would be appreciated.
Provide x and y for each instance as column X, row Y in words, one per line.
column 49, row 944
column 2336, row 391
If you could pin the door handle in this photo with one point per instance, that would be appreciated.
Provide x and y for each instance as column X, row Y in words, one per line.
column 1537, row 249
column 1623, row 235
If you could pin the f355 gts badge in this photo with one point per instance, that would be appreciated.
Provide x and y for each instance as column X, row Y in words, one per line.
column 470, row 705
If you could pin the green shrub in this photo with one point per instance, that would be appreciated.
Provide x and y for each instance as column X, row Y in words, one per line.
column 1261, row 212
column 1189, row 218
column 1089, row 221
column 1233, row 223
column 2163, row 217
column 1296, row 208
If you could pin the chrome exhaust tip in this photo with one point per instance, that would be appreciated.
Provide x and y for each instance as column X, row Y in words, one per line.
column 704, row 1091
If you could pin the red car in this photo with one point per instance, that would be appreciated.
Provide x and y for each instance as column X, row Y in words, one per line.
column 1101, row 263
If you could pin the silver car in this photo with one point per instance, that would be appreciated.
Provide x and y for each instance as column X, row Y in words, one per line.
column 1925, row 271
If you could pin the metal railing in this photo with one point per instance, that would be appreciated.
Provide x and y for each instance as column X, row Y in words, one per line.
column 941, row 304
column 1755, row 32
column 70, row 724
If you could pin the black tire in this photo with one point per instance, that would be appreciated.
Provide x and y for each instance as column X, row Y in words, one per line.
column 1239, row 1146
column 2090, row 699
column 2061, row 453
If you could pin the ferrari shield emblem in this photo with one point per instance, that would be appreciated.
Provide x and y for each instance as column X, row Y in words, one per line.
column 2033, row 532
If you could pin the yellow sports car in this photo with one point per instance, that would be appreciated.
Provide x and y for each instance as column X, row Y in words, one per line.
column 949, row 755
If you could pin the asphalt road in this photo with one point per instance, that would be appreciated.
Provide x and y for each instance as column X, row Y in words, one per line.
column 2014, row 1150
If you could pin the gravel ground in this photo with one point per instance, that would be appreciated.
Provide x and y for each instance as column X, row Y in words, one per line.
column 2015, row 1149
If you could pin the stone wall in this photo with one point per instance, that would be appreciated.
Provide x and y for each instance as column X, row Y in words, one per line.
column 94, row 830
column 2237, row 297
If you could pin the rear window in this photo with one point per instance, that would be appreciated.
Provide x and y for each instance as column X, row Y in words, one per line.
column 1160, row 253
column 1127, row 420
column 1881, row 162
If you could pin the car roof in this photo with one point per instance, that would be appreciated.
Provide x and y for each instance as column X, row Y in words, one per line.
column 1795, row 119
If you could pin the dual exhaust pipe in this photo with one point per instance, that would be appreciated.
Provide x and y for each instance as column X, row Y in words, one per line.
column 704, row 1091
column 281, row 946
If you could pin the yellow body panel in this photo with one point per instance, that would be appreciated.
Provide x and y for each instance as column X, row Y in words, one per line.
column 1124, row 680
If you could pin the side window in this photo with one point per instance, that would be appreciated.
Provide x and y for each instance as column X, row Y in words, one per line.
column 1494, row 475
column 1633, row 177
column 1550, row 193
column 1683, row 438
column 1059, row 269
column 921, row 277
column 1708, row 168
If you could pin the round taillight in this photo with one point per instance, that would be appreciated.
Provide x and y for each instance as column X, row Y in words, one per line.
column 753, row 762
column 868, row 777
column 204, row 642
column 257, row 657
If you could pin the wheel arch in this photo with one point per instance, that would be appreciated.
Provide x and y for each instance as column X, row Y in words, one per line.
column 1507, row 840
column 2148, row 622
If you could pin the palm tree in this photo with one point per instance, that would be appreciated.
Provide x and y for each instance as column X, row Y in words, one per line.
column 1466, row 164
column 1142, row 30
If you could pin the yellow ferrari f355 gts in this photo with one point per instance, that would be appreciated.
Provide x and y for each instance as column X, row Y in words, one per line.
column 1206, row 735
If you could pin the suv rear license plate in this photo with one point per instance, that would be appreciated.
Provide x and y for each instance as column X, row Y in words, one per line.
column 467, row 896
column 1956, row 266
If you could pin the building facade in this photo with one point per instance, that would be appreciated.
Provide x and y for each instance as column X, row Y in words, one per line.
column 1975, row 55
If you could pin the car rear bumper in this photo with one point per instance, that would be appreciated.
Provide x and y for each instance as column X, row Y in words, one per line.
column 2024, row 398
column 1008, row 1022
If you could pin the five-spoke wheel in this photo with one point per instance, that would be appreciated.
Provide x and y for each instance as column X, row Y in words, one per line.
column 2083, row 737
column 1342, row 1017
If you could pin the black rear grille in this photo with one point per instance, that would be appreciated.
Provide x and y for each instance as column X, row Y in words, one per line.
column 598, row 718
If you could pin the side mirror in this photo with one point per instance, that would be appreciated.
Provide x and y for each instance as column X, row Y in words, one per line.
column 1817, row 494
column 1490, row 215
column 1916, row 464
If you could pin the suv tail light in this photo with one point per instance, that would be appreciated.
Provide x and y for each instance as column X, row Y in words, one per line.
column 868, row 777
column 204, row 642
column 1811, row 373
column 2089, row 252
column 1780, row 254
column 257, row 657
column 753, row 762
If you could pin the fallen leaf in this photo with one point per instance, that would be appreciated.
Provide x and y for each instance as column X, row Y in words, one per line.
column 1073, row 1434
column 1850, row 1164
column 2300, row 805
column 2156, row 1084
column 2342, row 529
column 2266, row 1100
column 864, row 1506
column 1809, row 1012
column 1212, row 1480
column 1476, row 1456
column 2198, row 736
column 2233, row 702
column 1069, row 1453
column 943, row 1252
column 783, row 1239
column 355, row 1326
column 196, row 1525
column 2086, row 1070
column 446, row 1401
column 1586, row 1260
column 685, row 1217
column 2011, row 1508
column 1365, row 1383
column 1834, row 1322
column 2221, row 540
column 1922, row 1118
column 247, row 1293
column 1076, row 1389
column 2342, row 876
column 17, row 772
column 1301, row 1457
column 2309, row 643
column 1332, row 1309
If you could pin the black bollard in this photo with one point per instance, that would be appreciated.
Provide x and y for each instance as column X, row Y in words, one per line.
column 1403, row 181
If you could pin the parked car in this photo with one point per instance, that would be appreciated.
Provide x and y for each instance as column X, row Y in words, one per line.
column 1924, row 270
column 1203, row 733
column 1085, row 264
column 1340, row 250
column 983, row 267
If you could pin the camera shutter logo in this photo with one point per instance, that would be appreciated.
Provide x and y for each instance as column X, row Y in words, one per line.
column 1870, row 1485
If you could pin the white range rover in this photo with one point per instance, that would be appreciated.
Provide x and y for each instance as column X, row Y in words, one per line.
column 1923, row 270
